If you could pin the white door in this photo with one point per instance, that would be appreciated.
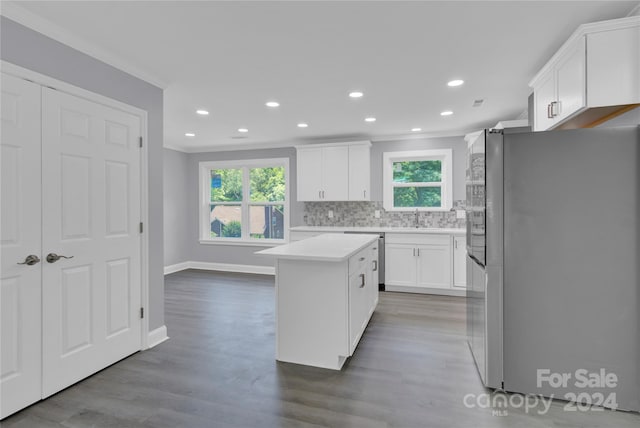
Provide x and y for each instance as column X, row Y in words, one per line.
column 434, row 266
column 91, row 212
column 335, row 173
column 459, row 262
column 359, row 173
column 544, row 95
column 400, row 265
column 20, row 235
column 309, row 173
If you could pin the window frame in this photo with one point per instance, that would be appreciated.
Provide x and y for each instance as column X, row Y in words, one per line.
column 445, row 156
column 204, row 201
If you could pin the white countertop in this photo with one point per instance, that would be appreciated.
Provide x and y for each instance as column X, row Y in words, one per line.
column 325, row 248
column 342, row 229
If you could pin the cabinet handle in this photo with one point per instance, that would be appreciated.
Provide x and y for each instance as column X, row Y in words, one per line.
column 319, row 194
column 323, row 194
column 375, row 265
column 555, row 108
column 414, row 252
column 365, row 194
column 455, row 244
column 361, row 259
column 549, row 114
column 418, row 251
column 361, row 280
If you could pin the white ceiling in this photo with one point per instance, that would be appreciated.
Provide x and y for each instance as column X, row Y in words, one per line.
column 231, row 57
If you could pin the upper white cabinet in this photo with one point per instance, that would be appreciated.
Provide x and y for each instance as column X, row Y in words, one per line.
column 359, row 172
column 334, row 172
column 593, row 75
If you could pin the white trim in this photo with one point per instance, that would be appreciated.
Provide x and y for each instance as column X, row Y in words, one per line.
column 446, row 157
column 426, row 290
column 41, row 79
column 174, row 148
column 204, row 202
column 157, row 336
column 24, row 17
column 222, row 267
column 336, row 144
column 176, row 268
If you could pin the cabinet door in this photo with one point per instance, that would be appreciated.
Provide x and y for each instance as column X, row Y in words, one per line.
column 357, row 307
column 400, row 265
column 335, row 173
column 372, row 285
column 309, row 174
column 543, row 96
column 614, row 66
column 459, row 262
column 434, row 266
column 570, row 81
column 359, row 173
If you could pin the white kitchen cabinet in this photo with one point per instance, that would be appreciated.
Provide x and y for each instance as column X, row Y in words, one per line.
column 434, row 265
column 459, row 262
column 333, row 172
column 418, row 262
column 594, row 75
column 360, row 172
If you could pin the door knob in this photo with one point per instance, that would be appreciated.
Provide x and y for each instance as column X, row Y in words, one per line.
column 31, row 260
column 53, row 257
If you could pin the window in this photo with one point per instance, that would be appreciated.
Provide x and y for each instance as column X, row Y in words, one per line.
column 418, row 180
column 244, row 201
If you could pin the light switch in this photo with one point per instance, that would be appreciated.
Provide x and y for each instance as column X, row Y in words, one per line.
column 330, row 214
column 376, row 213
column 461, row 214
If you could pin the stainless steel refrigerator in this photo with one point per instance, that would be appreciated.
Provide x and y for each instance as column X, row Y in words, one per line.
column 553, row 242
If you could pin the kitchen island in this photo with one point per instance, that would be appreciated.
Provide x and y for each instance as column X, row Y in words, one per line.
column 326, row 292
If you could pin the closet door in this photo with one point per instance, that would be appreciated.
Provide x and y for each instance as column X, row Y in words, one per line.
column 91, row 213
column 20, row 236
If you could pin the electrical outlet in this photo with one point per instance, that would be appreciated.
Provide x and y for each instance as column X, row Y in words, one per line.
column 376, row 213
column 461, row 214
column 330, row 214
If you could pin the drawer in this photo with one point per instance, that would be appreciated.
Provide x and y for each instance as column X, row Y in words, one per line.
column 358, row 262
column 417, row 239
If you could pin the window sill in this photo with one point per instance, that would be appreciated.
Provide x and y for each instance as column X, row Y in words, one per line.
column 243, row 243
column 413, row 210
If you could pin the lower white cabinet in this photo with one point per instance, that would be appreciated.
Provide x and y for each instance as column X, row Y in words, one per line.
column 459, row 262
column 424, row 263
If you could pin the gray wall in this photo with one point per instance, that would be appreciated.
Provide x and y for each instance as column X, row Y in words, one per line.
column 176, row 200
column 237, row 254
column 29, row 49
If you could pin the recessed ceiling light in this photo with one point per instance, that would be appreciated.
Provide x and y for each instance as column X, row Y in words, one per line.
column 189, row 134
column 243, row 130
column 355, row 94
column 446, row 113
column 456, row 82
column 303, row 125
column 272, row 104
column 416, row 129
column 370, row 119
column 202, row 112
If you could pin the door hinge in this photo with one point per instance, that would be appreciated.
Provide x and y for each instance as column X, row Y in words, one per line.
column 140, row 142
column 141, row 313
column 141, row 228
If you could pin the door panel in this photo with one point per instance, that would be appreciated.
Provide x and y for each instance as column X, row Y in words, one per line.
column 335, row 173
column 434, row 266
column 20, row 319
column 91, row 191
column 309, row 174
column 400, row 265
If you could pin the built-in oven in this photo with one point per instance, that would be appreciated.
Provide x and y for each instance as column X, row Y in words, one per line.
column 380, row 256
column 476, row 198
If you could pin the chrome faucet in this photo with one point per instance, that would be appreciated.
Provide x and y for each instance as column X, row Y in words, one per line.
column 417, row 219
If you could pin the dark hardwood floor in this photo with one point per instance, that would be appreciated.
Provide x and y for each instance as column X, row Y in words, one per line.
column 412, row 369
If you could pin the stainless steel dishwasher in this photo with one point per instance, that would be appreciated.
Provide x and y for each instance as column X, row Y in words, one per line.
column 380, row 255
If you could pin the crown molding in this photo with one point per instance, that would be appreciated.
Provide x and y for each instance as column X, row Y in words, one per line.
column 22, row 16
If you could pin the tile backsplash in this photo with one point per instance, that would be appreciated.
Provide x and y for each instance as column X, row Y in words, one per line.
column 362, row 214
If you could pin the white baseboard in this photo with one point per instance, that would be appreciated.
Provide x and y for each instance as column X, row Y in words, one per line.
column 157, row 336
column 176, row 268
column 223, row 267
column 426, row 290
